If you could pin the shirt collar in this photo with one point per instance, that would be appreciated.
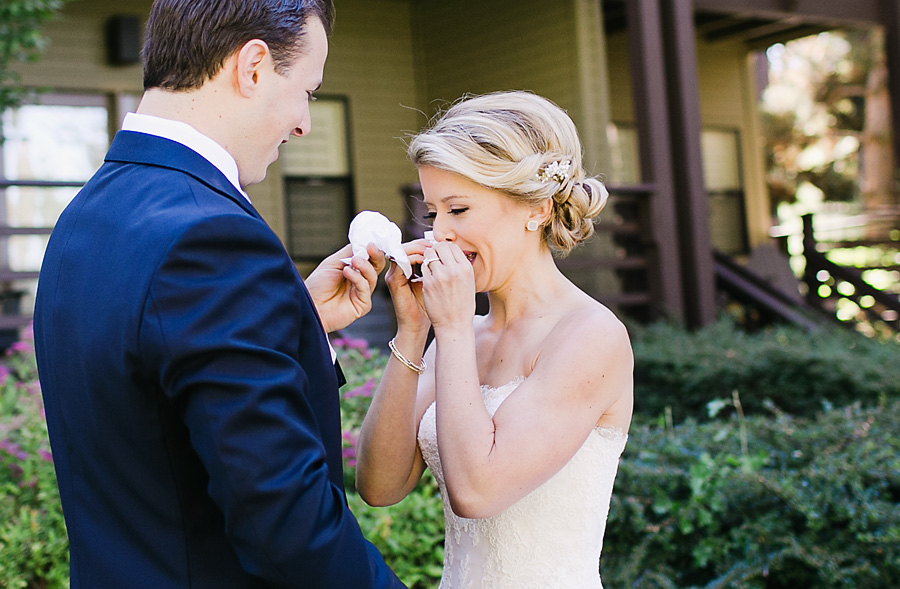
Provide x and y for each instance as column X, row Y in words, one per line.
column 189, row 137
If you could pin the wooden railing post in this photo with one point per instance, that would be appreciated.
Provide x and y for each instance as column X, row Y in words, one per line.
column 810, row 269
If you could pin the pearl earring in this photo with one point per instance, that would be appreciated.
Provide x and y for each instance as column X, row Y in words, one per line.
column 532, row 225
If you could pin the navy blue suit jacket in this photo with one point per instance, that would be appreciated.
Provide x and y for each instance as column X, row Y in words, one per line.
column 190, row 393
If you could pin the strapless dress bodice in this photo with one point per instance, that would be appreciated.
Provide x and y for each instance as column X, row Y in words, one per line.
column 551, row 538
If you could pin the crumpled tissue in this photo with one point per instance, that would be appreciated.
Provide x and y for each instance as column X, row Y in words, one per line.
column 373, row 227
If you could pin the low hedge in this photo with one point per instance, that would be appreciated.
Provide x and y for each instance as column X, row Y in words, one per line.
column 709, row 498
column 410, row 534
column 763, row 502
column 680, row 372
column 766, row 500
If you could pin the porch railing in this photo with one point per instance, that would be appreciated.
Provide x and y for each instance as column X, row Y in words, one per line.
column 633, row 257
column 827, row 282
column 12, row 315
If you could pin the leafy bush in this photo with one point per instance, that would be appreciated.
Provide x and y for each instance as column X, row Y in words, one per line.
column 20, row 41
column 797, row 371
column 723, row 500
column 34, row 548
column 410, row 535
column 760, row 502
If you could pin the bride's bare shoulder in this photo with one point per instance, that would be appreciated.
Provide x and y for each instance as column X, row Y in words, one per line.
column 593, row 323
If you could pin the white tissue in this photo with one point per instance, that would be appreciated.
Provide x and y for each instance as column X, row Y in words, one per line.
column 373, row 227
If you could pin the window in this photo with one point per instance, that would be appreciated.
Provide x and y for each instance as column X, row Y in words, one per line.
column 623, row 147
column 50, row 148
column 318, row 185
column 724, row 187
column 721, row 179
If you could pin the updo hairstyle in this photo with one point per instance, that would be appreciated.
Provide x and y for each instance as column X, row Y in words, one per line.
column 514, row 142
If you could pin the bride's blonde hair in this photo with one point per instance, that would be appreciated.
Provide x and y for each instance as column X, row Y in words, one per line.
column 518, row 143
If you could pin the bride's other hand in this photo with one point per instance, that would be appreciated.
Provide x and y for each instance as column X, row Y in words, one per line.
column 406, row 293
column 448, row 286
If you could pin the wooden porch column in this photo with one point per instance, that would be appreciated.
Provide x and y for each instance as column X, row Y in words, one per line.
column 646, row 60
column 690, row 196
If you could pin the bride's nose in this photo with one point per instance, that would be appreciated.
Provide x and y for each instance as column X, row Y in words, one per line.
column 441, row 231
column 443, row 235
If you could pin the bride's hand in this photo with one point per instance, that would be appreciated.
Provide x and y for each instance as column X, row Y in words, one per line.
column 406, row 294
column 449, row 285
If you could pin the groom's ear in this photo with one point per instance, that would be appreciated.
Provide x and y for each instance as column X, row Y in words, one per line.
column 248, row 65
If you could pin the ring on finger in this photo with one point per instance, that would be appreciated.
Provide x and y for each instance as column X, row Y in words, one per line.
column 427, row 261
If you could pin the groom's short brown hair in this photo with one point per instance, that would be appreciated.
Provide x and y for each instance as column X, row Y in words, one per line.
column 187, row 41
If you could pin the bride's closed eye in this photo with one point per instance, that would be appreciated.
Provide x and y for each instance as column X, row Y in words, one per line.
column 430, row 216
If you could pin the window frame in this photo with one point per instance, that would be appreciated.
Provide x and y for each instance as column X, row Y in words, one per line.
column 345, row 180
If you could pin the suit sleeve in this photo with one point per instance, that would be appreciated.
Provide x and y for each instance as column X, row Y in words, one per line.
column 221, row 333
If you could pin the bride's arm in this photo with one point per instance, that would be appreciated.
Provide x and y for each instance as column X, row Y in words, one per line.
column 583, row 374
column 389, row 463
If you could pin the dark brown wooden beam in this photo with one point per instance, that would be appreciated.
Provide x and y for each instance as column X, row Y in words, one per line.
column 647, row 63
column 835, row 12
column 763, row 42
column 891, row 19
column 755, row 29
column 683, row 93
column 733, row 26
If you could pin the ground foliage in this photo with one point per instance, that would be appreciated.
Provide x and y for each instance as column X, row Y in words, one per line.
column 735, row 492
column 761, row 502
column 34, row 548
column 790, row 369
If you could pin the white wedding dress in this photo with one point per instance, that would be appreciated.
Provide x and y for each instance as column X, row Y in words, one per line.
column 551, row 538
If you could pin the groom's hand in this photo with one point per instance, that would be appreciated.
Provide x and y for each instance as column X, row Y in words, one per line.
column 343, row 293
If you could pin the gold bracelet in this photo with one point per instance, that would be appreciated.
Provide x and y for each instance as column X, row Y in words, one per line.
column 404, row 360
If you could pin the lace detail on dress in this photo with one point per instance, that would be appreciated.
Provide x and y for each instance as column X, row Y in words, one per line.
column 552, row 537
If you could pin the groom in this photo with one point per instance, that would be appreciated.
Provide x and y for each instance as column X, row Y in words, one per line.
column 190, row 391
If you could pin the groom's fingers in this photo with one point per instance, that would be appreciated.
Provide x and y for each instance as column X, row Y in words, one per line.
column 376, row 257
column 367, row 269
column 359, row 282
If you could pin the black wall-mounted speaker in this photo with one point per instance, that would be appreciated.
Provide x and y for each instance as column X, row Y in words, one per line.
column 123, row 39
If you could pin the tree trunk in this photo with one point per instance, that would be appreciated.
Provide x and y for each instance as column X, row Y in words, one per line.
column 878, row 183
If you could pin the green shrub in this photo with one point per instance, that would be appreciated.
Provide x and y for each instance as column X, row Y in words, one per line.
column 768, row 500
column 774, row 502
column 410, row 535
column 797, row 371
column 34, row 548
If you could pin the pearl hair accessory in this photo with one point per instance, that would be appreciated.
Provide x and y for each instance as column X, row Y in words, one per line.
column 532, row 225
column 557, row 171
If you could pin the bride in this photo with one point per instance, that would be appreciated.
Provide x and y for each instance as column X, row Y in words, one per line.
column 521, row 414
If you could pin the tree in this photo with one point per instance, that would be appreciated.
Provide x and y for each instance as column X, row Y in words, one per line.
column 826, row 116
column 21, row 41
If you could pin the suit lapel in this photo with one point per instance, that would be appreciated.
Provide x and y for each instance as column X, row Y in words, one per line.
column 150, row 150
